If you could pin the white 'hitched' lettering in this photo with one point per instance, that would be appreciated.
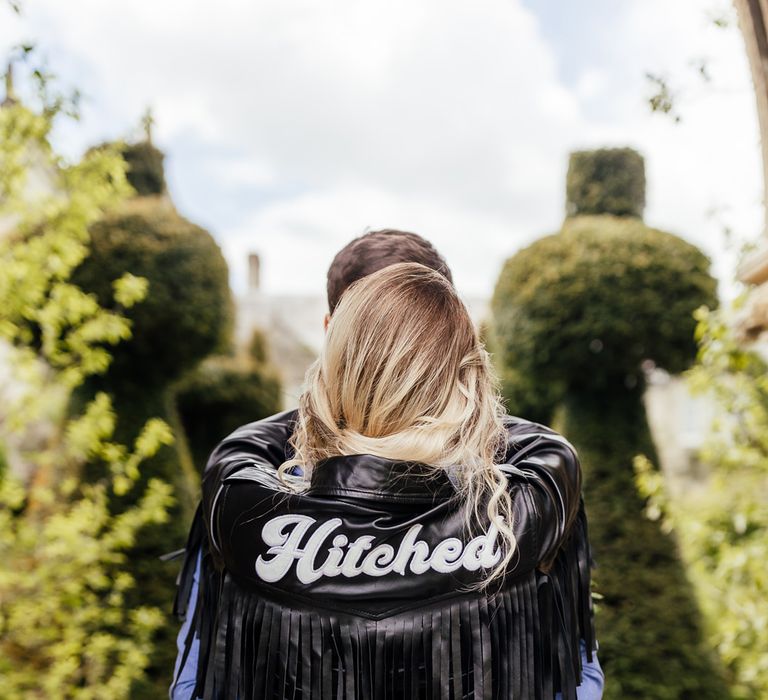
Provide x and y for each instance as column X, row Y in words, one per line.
column 316, row 559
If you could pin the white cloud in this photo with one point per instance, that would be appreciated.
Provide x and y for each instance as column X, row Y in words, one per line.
column 312, row 227
column 591, row 84
column 441, row 116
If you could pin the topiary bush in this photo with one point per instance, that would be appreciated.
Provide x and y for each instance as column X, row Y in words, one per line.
column 577, row 317
column 189, row 311
column 605, row 181
column 145, row 171
column 187, row 315
column 536, row 401
column 221, row 395
column 652, row 643
column 586, row 307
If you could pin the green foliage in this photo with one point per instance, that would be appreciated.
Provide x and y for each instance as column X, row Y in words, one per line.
column 652, row 645
column 188, row 313
column 145, row 168
column 723, row 526
column 48, row 240
column 662, row 100
column 606, row 181
column 65, row 628
column 21, row 133
column 578, row 316
column 523, row 395
column 590, row 304
column 221, row 395
column 172, row 463
column 257, row 348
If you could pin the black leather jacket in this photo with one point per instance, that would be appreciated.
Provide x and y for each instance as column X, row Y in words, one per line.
column 365, row 585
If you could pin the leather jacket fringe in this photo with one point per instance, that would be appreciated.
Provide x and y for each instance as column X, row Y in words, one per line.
column 364, row 586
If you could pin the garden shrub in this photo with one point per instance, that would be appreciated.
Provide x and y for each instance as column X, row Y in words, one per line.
column 67, row 627
column 221, row 395
column 579, row 317
column 606, row 181
column 722, row 525
column 186, row 315
column 145, row 171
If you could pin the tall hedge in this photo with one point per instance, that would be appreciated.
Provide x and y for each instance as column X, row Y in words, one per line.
column 224, row 393
column 580, row 314
column 605, row 181
column 652, row 644
column 586, row 307
column 189, row 311
column 187, row 315
column 145, row 170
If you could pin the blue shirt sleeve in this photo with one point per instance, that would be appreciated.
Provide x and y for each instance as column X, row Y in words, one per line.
column 184, row 678
column 592, row 677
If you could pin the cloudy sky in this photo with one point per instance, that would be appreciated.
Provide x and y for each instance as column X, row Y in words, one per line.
column 291, row 126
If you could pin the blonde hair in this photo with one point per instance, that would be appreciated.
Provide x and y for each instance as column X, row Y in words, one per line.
column 403, row 375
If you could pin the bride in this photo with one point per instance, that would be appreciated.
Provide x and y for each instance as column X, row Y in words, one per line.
column 397, row 536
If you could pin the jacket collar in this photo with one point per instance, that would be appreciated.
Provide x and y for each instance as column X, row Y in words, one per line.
column 376, row 477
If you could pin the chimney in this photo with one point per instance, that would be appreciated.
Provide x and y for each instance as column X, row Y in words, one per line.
column 10, row 95
column 254, row 272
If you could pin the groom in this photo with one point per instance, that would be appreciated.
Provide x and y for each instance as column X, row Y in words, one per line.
column 360, row 257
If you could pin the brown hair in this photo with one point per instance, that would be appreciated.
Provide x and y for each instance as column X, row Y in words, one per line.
column 375, row 250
